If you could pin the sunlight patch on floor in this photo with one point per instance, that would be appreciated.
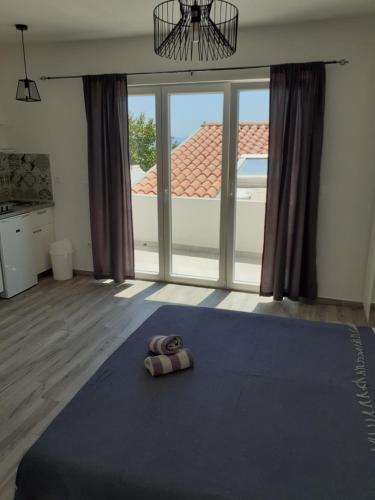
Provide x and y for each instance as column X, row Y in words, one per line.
column 134, row 288
column 177, row 294
column 242, row 301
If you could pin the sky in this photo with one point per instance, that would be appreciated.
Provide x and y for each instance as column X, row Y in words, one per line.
column 189, row 111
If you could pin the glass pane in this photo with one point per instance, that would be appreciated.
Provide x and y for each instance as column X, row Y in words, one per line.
column 251, row 177
column 142, row 145
column 250, row 166
column 196, row 129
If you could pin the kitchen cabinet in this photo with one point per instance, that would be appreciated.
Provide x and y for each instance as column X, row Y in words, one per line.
column 42, row 236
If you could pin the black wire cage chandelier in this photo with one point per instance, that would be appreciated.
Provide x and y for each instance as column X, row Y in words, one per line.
column 189, row 29
column 27, row 91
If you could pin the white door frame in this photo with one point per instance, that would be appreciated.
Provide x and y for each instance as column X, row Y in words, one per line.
column 155, row 90
column 167, row 90
column 230, row 92
column 235, row 89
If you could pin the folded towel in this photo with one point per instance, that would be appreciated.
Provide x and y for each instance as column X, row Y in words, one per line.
column 165, row 344
column 163, row 364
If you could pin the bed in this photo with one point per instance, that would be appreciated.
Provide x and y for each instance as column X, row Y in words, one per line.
column 274, row 409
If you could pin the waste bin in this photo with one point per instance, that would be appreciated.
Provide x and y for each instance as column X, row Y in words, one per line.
column 61, row 253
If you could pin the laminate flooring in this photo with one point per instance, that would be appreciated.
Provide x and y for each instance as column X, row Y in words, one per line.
column 54, row 336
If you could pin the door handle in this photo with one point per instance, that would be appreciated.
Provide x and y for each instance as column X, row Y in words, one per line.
column 37, row 231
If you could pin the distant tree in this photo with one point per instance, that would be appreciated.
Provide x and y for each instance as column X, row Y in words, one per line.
column 142, row 141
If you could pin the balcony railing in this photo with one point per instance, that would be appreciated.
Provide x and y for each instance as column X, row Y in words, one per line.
column 195, row 235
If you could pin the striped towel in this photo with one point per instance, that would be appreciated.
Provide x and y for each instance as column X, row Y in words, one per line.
column 165, row 344
column 162, row 364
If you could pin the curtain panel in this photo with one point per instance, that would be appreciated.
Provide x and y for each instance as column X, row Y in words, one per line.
column 297, row 96
column 109, row 176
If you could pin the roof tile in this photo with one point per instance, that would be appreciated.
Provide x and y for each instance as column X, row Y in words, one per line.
column 196, row 163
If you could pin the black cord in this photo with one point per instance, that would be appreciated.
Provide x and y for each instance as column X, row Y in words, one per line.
column 24, row 56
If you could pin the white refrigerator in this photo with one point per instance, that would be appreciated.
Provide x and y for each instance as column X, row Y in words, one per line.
column 16, row 255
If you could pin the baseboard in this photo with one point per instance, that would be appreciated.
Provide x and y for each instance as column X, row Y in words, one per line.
column 81, row 272
column 45, row 273
column 338, row 302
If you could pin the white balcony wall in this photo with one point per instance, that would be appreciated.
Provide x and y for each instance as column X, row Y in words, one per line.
column 145, row 211
column 195, row 222
column 250, row 226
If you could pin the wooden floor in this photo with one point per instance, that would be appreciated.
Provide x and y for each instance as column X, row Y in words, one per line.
column 54, row 337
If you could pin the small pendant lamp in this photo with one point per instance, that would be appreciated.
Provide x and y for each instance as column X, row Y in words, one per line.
column 27, row 90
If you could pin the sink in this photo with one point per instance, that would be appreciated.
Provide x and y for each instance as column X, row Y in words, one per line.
column 16, row 206
column 26, row 203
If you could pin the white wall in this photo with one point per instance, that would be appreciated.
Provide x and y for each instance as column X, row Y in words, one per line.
column 368, row 288
column 196, row 222
column 57, row 126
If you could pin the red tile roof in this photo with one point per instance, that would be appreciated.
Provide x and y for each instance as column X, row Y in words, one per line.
column 196, row 163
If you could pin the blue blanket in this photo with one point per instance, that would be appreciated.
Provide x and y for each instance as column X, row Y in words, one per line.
column 274, row 409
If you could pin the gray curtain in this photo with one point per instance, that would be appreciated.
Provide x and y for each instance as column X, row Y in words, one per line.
column 297, row 94
column 109, row 176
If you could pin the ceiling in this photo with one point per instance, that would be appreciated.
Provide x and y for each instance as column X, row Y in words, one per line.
column 59, row 20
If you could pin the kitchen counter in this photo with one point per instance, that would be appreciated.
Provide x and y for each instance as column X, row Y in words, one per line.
column 20, row 208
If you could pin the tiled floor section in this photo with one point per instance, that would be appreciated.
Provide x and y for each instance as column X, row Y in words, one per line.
column 197, row 264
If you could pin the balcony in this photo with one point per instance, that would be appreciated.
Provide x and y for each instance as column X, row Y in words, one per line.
column 195, row 240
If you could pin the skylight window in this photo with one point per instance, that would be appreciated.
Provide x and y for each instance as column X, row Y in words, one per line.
column 252, row 166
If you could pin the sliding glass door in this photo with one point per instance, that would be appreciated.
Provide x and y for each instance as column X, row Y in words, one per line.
column 199, row 171
column 248, row 184
column 145, row 164
column 195, row 169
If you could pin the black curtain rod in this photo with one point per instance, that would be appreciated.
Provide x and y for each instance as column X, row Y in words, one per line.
column 342, row 62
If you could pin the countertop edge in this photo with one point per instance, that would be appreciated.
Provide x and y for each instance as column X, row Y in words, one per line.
column 27, row 209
